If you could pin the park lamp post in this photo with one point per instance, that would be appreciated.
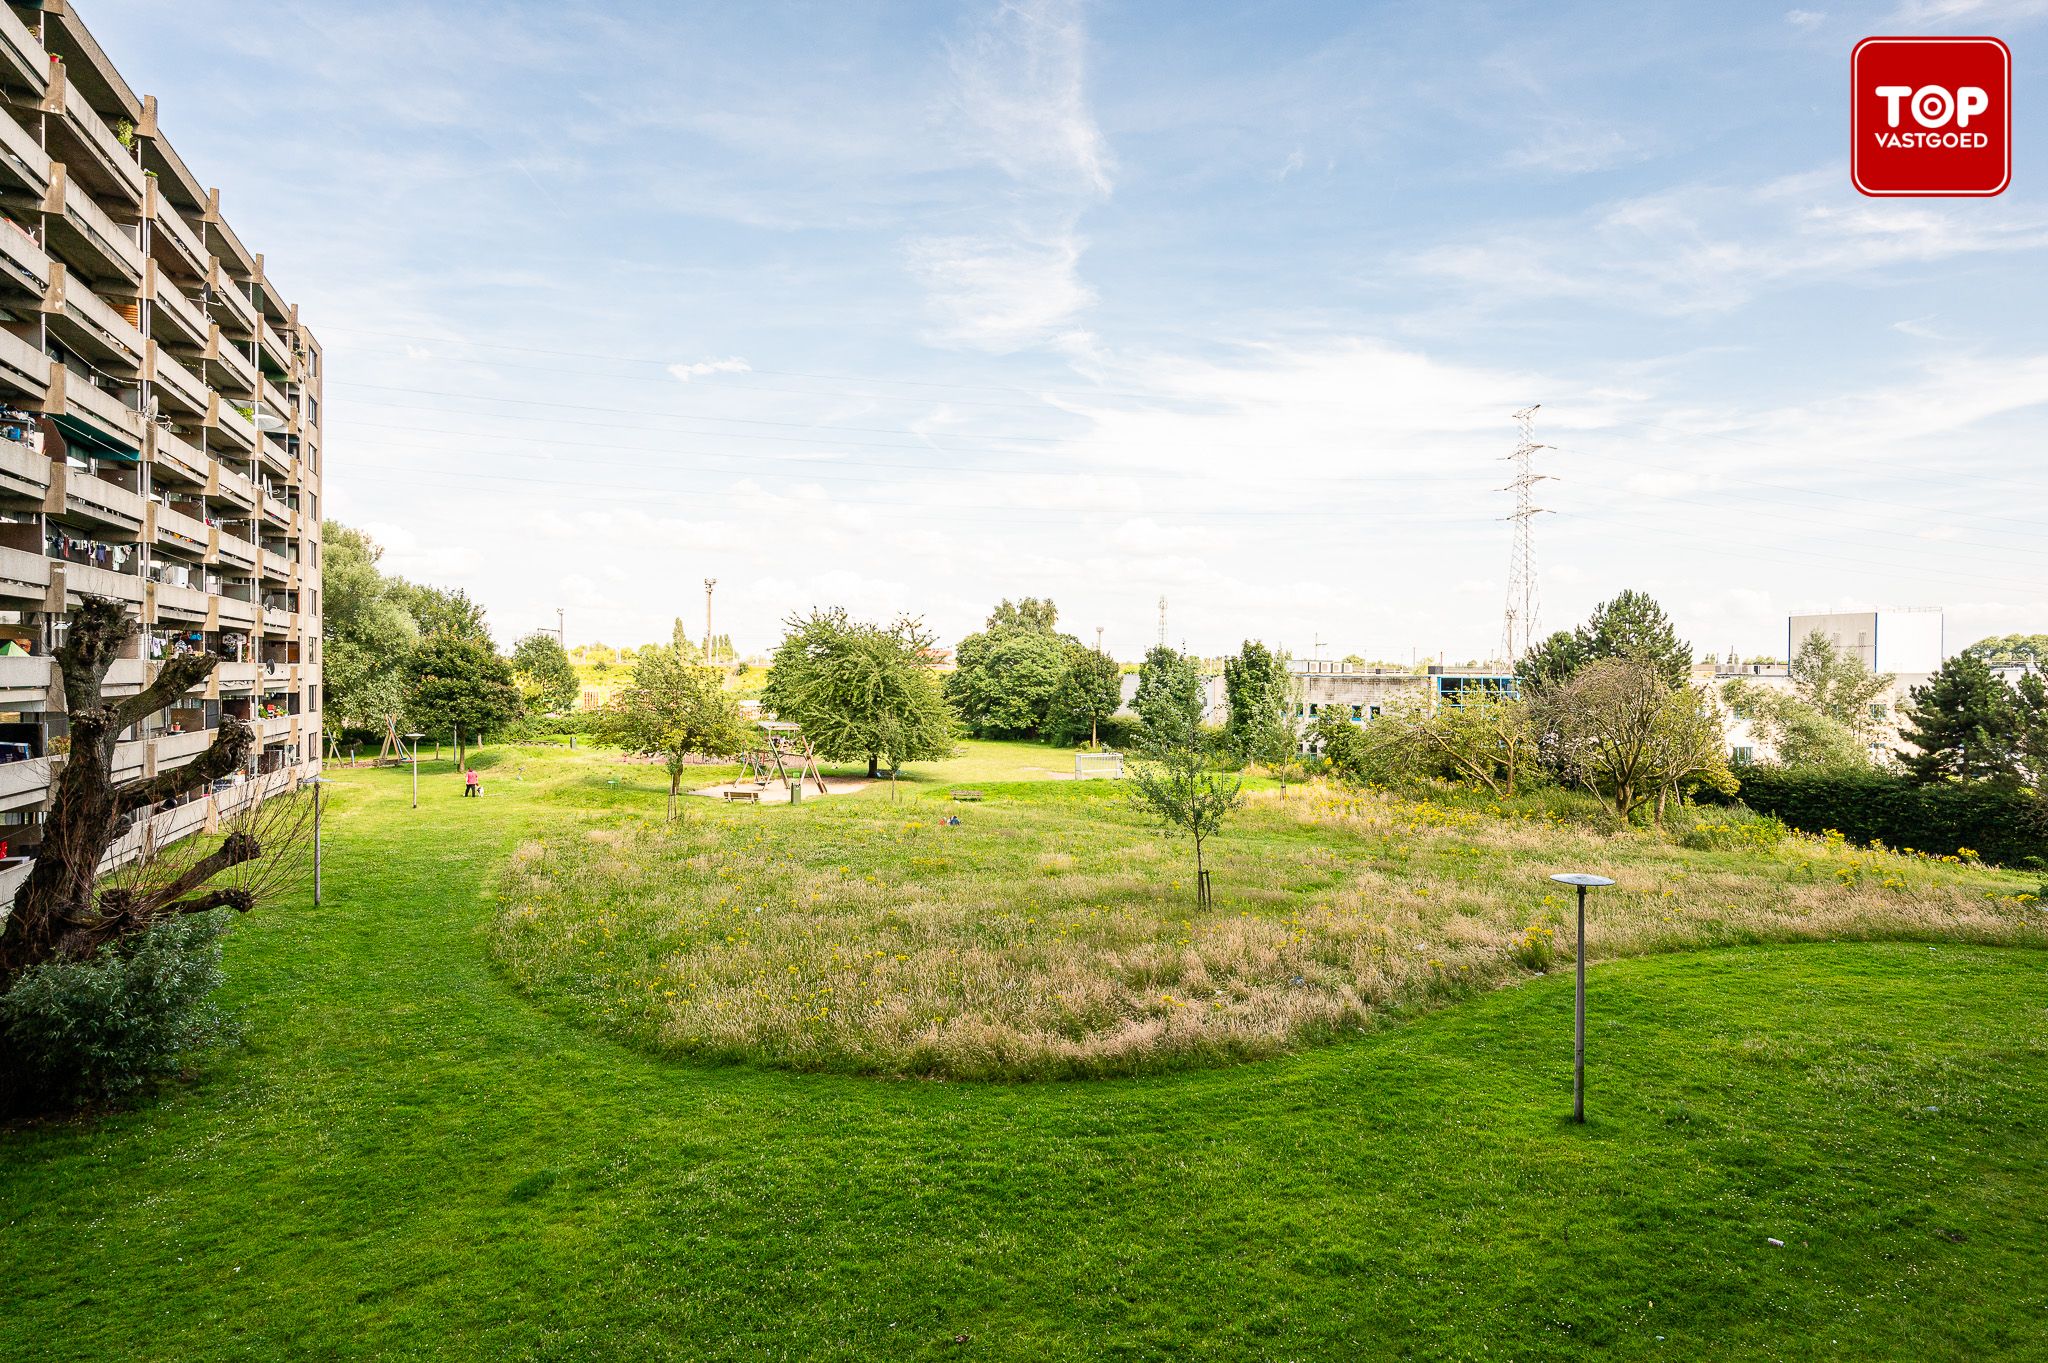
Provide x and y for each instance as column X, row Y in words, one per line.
column 1583, row 883
column 414, row 739
column 316, row 782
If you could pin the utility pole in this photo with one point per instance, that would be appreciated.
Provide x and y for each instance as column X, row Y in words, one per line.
column 709, row 583
column 1162, row 622
column 561, row 630
column 1518, row 623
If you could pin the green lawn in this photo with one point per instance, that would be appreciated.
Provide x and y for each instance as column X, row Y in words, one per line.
column 405, row 1159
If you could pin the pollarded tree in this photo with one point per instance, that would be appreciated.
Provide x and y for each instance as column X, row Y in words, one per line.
column 675, row 710
column 457, row 681
column 861, row 691
column 62, row 910
column 546, row 679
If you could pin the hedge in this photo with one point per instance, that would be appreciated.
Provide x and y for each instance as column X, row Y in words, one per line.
column 2000, row 824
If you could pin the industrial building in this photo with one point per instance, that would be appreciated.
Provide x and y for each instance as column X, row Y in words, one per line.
column 159, row 432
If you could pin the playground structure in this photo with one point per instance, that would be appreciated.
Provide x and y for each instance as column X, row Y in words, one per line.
column 1092, row 764
column 786, row 764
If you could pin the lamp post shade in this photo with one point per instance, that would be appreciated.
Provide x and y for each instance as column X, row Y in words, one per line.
column 1580, row 881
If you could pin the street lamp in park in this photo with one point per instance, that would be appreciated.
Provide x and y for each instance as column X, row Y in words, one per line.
column 414, row 739
column 1583, row 883
column 316, row 782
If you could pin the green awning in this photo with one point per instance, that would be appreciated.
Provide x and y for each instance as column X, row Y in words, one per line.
column 95, row 442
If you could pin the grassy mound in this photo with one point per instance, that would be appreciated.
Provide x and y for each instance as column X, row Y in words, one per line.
column 1053, row 933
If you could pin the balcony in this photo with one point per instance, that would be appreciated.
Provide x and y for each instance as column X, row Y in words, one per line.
column 275, row 461
column 232, row 488
column 229, row 301
column 100, row 502
column 24, row 265
column 222, row 241
column 173, row 750
column 21, row 780
column 87, row 65
column 186, row 534
column 23, row 678
column 177, row 388
column 171, row 452
column 81, row 579
column 81, row 139
column 186, row 601
column 276, row 402
column 235, row 614
column 24, row 166
column 174, row 245
column 171, row 172
column 24, row 371
column 275, row 511
column 235, row 430
column 173, row 316
column 276, row 566
column 82, row 235
column 90, row 326
column 276, row 621
column 24, row 474
column 92, row 417
column 235, row 552
column 24, row 65
column 238, row 676
column 227, row 368
column 23, row 574
column 273, row 351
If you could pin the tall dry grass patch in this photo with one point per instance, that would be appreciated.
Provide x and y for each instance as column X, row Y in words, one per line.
column 1058, row 936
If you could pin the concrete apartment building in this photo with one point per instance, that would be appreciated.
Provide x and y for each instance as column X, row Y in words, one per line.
column 159, row 432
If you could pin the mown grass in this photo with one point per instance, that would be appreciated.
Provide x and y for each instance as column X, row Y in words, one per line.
column 405, row 1160
column 1052, row 933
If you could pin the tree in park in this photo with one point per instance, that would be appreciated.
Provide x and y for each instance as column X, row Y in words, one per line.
column 1178, row 781
column 437, row 610
column 1171, row 695
column 102, row 974
column 1090, row 691
column 1837, row 685
column 1006, row 677
column 1964, row 725
column 368, row 631
column 674, row 709
column 458, row 682
column 1254, row 691
column 547, row 681
column 861, row 691
column 1631, row 626
column 2028, row 650
column 1632, row 739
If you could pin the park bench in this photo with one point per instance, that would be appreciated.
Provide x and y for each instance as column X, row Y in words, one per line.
column 966, row 795
column 752, row 797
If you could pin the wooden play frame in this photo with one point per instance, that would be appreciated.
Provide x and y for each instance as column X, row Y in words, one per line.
column 784, row 740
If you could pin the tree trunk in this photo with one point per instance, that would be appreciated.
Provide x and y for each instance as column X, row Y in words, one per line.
column 874, row 766
column 57, row 911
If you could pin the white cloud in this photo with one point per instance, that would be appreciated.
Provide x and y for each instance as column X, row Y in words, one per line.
column 1001, row 293
column 1574, row 146
column 1295, row 161
column 1808, row 19
column 732, row 365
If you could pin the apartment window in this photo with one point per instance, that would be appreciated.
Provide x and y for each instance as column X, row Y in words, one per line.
column 1373, row 711
column 1357, row 711
column 1877, row 711
column 1742, row 756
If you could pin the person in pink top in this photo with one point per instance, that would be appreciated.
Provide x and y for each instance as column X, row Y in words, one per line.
column 472, row 784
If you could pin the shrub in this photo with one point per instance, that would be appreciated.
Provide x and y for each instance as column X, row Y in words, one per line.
column 106, row 1027
column 2004, row 825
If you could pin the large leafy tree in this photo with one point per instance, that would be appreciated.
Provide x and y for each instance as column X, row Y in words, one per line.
column 1090, row 690
column 1837, row 685
column 861, row 691
column 1965, row 724
column 1255, row 691
column 1798, row 732
column 1171, row 693
column 546, row 679
column 457, row 682
column 1005, row 677
column 1631, row 626
column 2028, row 650
column 674, row 709
column 369, row 631
column 439, row 610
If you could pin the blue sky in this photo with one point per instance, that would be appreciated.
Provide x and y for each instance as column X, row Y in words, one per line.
column 914, row 306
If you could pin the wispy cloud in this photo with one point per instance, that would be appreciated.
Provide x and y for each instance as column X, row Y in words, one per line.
column 732, row 365
column 1019, row 103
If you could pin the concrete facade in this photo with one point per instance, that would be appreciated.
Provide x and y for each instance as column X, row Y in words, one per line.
column 159, row 432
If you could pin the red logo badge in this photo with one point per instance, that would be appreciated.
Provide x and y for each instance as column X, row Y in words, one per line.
column 1930, row 117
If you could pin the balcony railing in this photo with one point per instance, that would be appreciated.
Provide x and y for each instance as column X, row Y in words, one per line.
column 276, row 565
column 236, row 431
column 236, row 551
column 227, row 485
column 188, row 532
column 83, row 580
column 23, row 472
column 190, row 600
column 174, row 311
column 233, row 612
column 23, row 573
column 24, row 65
column 111, row 166
column 222, row 241
column 19, row 673
column 78, row 397
column 24, row 369
column 24, row 265
column 176, row 244
column 170, row 450
column 86, row 63
column 229, row 370
column 24, row 166
column 229, row 300
column 90, row 241
column 88, row 324
column 177, row 387
column 96, row 499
